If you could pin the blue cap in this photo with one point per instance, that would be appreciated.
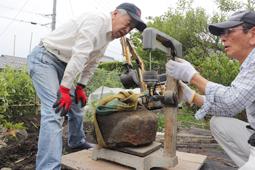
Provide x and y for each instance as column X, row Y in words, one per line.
column 135, row 13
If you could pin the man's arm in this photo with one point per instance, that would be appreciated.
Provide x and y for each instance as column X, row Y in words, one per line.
column 200, row 82
column 198, row 99
column 220, row 100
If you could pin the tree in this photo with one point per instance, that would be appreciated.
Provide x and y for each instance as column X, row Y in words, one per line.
column 185, row 24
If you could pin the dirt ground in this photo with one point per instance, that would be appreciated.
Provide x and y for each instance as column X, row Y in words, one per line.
column 20, row 155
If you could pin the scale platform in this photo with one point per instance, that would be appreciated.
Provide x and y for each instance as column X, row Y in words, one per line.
column 140, row 158
column 82, row 160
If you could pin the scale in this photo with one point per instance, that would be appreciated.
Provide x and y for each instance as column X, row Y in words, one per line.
column 153, row 155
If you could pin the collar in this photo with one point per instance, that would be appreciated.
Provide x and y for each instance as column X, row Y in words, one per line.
column 250, row 58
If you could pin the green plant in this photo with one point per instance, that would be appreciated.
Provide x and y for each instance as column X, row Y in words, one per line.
column 185, row 119
column 216, row 67
column 161, row 122
column 20, row 92
column 14, row 126
column 19, row 86
column 16, row 94
column 104, row 78
column 3, row 94
column 109, row 66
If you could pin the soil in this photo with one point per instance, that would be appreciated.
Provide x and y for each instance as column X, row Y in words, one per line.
column 20, row 155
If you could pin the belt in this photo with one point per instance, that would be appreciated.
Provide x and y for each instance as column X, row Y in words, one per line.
column 249, row 127
column 50, row 54
column 41, row 44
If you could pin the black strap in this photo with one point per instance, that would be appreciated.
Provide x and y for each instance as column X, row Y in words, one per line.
column 251, row 140
column 249, row 127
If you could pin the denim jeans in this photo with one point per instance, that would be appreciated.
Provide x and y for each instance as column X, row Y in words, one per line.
column 46, row 72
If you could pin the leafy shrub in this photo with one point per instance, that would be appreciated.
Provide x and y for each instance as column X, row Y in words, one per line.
column 3, row 94
column 103, row 77
column 16, row 90
column 217, row 67
column 109, row 66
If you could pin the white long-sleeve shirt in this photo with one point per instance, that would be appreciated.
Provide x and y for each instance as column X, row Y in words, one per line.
column 80, row 43
column 230, row 100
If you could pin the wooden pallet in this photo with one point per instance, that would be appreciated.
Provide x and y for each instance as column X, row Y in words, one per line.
column 82, row 160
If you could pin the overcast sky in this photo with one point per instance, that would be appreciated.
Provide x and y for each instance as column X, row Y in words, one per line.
column 18, row 36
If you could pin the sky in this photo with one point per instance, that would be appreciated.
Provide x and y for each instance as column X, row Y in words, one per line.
column 18, row 36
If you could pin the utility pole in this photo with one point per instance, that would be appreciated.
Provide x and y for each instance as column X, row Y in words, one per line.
column 14, row 45
column 31, row 38
column 53, row 24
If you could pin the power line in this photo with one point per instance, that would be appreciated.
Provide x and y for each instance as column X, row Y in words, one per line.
column 24, row 21
column 6, row 28
column 25, row 11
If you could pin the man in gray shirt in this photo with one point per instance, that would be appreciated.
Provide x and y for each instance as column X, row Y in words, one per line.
column 238, row 37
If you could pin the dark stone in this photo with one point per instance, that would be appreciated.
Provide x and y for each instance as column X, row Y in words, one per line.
column 128, row 128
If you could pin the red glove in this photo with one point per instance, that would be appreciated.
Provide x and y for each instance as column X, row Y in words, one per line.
column 63, row 102
column 80, row 95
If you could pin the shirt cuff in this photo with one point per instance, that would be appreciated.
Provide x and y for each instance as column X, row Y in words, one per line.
column 210, row 90
column 200, row 114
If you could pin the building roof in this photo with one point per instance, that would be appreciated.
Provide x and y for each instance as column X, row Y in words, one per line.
column 19, row 62
column 14, row 62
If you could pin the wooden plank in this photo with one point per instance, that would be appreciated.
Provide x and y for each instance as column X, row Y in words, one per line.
column 170, row 118
column 82, row 161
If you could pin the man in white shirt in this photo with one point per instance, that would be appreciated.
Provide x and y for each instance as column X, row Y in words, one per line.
column 72, row 49
column 224, row 102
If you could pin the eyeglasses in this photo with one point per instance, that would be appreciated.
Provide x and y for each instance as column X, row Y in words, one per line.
column 228, row 31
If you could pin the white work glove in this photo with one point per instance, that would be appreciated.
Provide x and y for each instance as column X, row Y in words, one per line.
column 186, row 93
column 250, row 164
column 180, row 70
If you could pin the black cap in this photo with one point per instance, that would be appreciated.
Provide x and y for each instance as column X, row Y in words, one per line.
column 135, row 14
column 234, row 20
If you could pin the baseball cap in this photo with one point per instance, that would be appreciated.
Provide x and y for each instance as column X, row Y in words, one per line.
column 135, row 13
column 234, row 20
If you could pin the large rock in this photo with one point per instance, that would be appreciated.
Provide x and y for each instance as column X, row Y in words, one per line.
column 129, row 128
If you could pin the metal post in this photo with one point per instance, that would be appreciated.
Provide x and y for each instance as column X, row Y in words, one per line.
column 30, row 45
column 14, row 45
column 53, row 24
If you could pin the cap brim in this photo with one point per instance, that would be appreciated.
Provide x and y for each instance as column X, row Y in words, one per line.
column 218, row 29
column 140, row 25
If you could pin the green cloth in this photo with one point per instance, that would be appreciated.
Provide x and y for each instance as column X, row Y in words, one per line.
column 119, row 102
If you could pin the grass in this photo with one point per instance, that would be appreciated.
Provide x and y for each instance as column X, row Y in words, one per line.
column 188, row 120
column 184, row 120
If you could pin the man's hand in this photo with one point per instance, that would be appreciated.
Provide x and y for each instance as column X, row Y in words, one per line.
column 186, row 93
column 80, row 95
column 63, row 102
column 180, row 70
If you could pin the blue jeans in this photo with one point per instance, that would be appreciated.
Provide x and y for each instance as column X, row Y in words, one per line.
column 47, row 72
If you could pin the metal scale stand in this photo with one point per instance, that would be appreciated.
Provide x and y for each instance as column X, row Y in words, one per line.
column 145, row 158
